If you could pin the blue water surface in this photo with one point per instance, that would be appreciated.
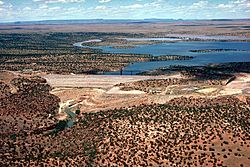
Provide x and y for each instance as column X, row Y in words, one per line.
column 183, row 48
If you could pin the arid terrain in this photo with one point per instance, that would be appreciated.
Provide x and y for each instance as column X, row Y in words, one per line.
column 58, row 108
column 206, row 27
column 92, row 93
column 176, row 126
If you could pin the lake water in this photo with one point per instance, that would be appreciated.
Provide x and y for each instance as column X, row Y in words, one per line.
column 152, row 39
column 80, row 44
column 178, row 37
column 183, row 48
column 207, row 37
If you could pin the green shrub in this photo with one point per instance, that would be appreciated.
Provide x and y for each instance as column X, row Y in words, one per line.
column 78, row 111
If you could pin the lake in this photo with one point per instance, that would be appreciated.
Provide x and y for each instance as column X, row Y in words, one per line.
column 183, row 48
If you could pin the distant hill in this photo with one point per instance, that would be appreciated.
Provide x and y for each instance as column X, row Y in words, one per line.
column 109, row 21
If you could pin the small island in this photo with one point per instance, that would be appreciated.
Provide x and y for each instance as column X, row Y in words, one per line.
column 215, row 50
column 123, row 46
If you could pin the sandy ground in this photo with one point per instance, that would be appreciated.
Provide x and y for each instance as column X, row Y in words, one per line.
column 96, row 81
column 241, row 85
column 6, row 76
column 92, row 93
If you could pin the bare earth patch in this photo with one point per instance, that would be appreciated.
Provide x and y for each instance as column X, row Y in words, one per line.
column 240, row 85
column 92, row 93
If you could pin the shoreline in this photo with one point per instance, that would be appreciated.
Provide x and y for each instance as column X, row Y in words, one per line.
column 180, row 38
column 157, row 41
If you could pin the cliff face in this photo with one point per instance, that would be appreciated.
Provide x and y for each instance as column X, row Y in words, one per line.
column 29, row 107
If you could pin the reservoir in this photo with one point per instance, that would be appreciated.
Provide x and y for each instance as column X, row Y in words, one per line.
column 183, row 48
column 241, row 53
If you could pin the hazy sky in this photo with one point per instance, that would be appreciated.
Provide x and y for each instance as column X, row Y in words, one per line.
column 20, row 10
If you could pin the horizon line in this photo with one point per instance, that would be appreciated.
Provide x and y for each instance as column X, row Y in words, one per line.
column 124, row 19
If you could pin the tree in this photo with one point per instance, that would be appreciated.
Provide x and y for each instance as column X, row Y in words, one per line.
column 78, row 111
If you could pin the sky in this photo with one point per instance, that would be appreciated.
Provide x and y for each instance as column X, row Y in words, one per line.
column 29, row 10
